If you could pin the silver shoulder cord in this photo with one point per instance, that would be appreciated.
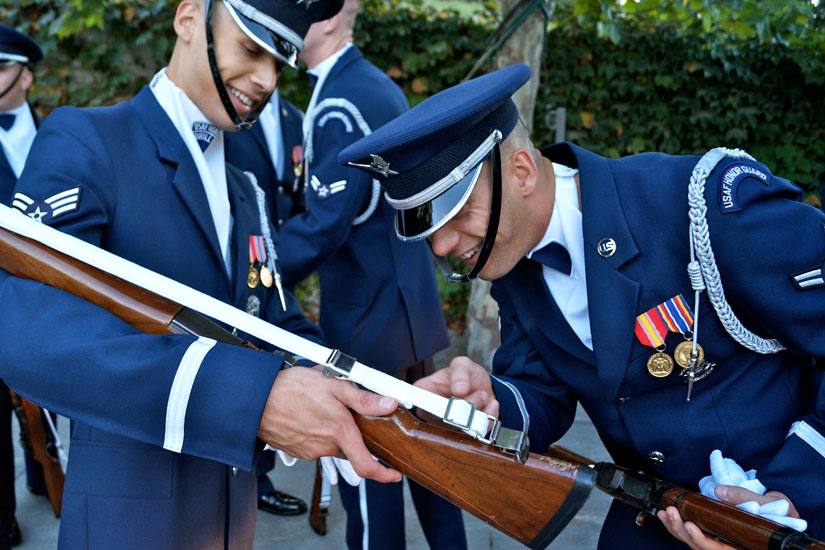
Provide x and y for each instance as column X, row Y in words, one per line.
column 309, row 147
column 702, row 269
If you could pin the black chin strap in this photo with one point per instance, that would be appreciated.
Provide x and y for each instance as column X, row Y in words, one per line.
column 216, row 77
column 13, row 82
column 492, row 228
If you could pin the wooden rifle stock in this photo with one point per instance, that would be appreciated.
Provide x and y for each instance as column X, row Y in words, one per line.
column 317, row 512
column 33, row 434
column 531, row 502
column 717, row 519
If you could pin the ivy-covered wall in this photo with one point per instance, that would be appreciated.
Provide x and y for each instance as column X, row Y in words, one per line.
column 664, row 93
column 651, row 91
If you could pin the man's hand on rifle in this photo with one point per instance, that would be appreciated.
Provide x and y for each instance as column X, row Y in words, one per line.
column 465, row 379
column 306, row 416
column 691, row 535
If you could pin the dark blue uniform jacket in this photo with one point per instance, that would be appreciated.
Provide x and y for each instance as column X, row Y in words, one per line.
column 746, row 406
column 248, row 150
column 140, row 197
column 378, row 295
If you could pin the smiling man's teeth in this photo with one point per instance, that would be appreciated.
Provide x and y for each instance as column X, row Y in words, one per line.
column 469, row 254
column 244, row 99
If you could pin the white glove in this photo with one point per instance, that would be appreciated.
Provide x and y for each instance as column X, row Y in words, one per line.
column 725, row 471
column 331, row 465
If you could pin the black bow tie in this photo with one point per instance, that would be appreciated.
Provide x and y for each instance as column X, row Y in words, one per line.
column 6, row 121
column 554, row 256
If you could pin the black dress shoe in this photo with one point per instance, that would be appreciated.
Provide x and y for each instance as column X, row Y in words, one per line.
column 39, row 491
column 11, row 537
column 281, row 504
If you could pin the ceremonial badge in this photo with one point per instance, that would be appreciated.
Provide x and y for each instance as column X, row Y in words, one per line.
column 682, row 354
column 650, row 329
column 297, row 167
column 252, row 278
column 266, row 276
column 253, row 305
column 660, row 364
column 678, row 317
column 257, row 254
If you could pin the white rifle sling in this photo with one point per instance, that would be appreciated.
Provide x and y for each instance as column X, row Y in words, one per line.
column 457, row 412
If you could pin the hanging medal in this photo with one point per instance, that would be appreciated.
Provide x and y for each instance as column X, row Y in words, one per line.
column 651, row 331
column 678, row 317
column 253, row 278
column 297, row 167
column 257, row 243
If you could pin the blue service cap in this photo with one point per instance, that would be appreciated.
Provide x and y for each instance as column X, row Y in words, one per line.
column 16, row 47
column 279, row 26
column 428, row 159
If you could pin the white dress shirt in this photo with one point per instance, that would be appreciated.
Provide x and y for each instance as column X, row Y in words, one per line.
column 270, row 121
column 17, row 140
column 321, row 71
column 565, row 228
column 211, row 163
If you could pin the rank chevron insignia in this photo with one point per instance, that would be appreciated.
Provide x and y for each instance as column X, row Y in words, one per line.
column 377, row 165
column 51, row 207
column 323, row 190
column 810, row 278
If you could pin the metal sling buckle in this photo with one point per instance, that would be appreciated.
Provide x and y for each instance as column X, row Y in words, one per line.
column 338, row 364
column 513, row 442
column 464, row 425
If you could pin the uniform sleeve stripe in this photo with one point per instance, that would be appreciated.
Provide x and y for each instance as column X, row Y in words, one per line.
column 180, row 392
column 525, row 416
column 809, row 435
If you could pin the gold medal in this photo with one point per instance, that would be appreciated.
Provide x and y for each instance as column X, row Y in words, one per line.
column 660, row 364
column 266, row 276
column 252, row 279
column 682, row 354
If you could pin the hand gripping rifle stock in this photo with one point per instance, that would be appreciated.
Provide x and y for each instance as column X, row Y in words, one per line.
column 530, row 501
column 717, row 519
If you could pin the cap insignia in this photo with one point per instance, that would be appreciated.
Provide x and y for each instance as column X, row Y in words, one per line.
column 377, row 165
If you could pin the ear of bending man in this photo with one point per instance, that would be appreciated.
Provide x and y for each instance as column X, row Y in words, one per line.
column 588, row 260
column 167, row 428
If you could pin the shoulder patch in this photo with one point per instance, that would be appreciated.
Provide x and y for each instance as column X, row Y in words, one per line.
column 323, row 190
column 51, row 207
column 336, row 115
column 729, row 182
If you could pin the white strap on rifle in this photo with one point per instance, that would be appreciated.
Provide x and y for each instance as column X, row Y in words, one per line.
column 457, row 412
